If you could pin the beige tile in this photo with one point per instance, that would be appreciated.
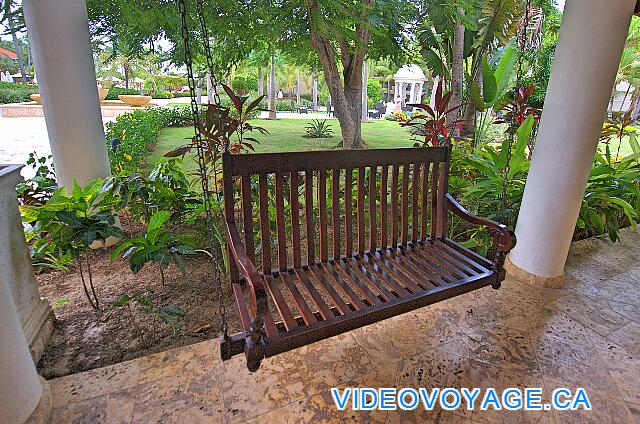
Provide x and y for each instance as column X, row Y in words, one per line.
column 113, row 408
column 197, row 358
column 101, row 381
column 607, row 406
column 593, row 313
column 503, row 347
column 634, row 409
column 277, row 383
column 179, row 399
column 625, row 373
column 628, row 337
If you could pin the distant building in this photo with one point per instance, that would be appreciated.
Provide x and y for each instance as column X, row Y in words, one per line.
column 8, row 53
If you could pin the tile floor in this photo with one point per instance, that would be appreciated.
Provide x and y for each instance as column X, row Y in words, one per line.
column 586, row 334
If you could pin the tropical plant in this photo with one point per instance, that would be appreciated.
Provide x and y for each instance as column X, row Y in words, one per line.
column 156, row 245
column 318, row 128
column 38, row 189
column 436, row 126
column 168, row 314
column 611, row 199
column 617, row 127
column 69, row 224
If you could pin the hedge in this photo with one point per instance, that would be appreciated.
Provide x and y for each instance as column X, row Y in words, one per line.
column 16, row 93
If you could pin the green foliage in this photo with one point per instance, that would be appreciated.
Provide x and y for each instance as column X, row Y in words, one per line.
column 66, row 225
column 114, row 92
column 611, row 199
column 16, row 93
column 135, row 131
column 161, row 94
column 166, row 82
column 144, row 304
column 374, row 90
column 244, row 83
column 39, row 188
column 318, row 128
column 156, row 245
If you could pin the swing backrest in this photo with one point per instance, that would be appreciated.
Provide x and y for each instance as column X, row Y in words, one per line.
column 289, row 200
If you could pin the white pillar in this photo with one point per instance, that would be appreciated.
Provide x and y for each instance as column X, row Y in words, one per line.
column 314, row 93
column 209, row 89
column 403, row 94
column 419, row 93
column 592, row 37
column 396, row 92
column 412, row 95
column 20, row 388
column 59, row 35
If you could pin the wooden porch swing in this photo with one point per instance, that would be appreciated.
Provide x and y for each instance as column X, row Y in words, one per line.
column 305, row 269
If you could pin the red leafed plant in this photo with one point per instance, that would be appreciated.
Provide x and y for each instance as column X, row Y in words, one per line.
column 517, row 110
column 434, row 124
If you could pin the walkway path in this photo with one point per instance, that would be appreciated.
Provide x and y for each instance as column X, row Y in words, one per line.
column 583, row 335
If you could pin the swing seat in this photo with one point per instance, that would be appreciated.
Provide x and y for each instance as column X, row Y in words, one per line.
column 357, row 237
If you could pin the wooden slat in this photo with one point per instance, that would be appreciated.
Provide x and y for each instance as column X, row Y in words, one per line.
column 265, row 233
column 280, row 224
column 385, row 262
column 265, row 163
column 361, row 231
column 405, row 204
column 247, row 215
column 309, row 217
column 280, row 303
column 383, row 206
column 441, row 230
column 422, row 259
column 304, row 309
column 354, row 297
column 434, row 199
column 394, row 205
column 415, row 206
column 373, row 228
column 335, row 212
column 270, row 326
column 427, row 273
column 439, row 256
column 348, row 212
column 354, row 270
column 317, row 272
column 241, row 305
column 424, row 200
column 322, row 215
column 367, row 264
column 295, row 218
column 323, row 308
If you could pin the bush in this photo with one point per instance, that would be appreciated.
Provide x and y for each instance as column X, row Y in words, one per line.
column 245, row 83
column 130, row 135
column 16, row 93
column 162, row 94
column 114, row 92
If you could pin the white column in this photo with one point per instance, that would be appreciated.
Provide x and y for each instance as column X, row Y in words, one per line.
column 412, row 95
column 20, row 386
column 419, row 93
column 396, row 92
column 314, row 93
column 209, row 88
column 365, row 95
column 59, row 35
column 402, row 93
column 592, row 37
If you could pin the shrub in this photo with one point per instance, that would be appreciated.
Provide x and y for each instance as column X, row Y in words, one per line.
column 318, row 128
column 16, row 93
column 130, row 135
column 114, row 92
column 244, row 84
column 162, row 94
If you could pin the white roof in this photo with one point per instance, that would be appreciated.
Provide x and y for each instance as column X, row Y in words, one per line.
column 410, row 73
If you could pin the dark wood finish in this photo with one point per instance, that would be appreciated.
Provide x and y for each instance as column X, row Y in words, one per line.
column 404, row 267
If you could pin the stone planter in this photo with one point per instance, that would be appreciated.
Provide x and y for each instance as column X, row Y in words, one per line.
column 35, row 98
column 102, row 93
column 134, row 100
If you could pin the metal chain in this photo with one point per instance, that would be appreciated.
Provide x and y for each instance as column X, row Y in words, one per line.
column 204, row 176
column 207, row 50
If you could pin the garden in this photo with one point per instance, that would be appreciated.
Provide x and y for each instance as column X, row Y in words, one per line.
column 151, row 287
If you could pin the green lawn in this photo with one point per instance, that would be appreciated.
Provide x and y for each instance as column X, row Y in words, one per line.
column 287, row 135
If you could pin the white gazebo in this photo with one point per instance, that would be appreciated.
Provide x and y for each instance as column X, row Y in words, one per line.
column 413, row 76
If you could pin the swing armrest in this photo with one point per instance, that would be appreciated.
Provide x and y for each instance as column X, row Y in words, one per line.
column 257, row 292
column 503, row 238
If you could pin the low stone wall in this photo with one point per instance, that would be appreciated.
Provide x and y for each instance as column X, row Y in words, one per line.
column 109, row 109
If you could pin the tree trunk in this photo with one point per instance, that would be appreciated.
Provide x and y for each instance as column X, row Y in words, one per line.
column 126, row 76
column 365, row 94
column 260, row 82
column 16, row 45
column 314, row 93
column 298, row 90
column 346, row 92
column 457, row 68
column 469, row 124
column 272, row 89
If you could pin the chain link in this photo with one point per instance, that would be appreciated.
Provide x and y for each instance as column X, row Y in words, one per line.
column 204, row 175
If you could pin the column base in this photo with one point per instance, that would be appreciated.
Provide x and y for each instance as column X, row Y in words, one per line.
column 38, row 327
column 514, row 271
column 42, row 413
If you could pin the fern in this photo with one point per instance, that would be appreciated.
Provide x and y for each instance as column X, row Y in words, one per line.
column 499, row 23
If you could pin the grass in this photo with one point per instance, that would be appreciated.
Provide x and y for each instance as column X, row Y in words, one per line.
column 287, row 135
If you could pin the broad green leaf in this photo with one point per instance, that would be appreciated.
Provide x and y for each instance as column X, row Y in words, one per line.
column 157, row 220
column 505, row 69
column 489, row 84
